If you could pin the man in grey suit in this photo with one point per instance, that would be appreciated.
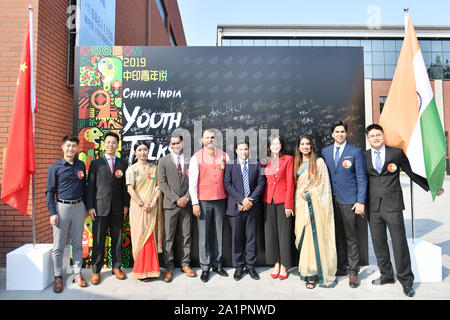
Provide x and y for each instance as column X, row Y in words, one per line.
column 174, row 183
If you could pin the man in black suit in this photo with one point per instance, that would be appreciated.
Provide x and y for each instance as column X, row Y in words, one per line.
column 245, row 185
column 108, row 202
column 386, row 207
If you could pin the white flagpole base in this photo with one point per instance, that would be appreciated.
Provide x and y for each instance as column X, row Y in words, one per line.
column 426, row 260
column 29, row 268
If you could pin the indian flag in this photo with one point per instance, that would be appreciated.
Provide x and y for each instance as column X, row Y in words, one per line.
column 410, row 118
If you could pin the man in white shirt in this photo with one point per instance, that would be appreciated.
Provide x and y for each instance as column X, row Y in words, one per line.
column 208, row 196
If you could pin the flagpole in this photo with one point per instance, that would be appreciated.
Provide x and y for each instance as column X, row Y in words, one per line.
column 410, row 180
column 33, row 180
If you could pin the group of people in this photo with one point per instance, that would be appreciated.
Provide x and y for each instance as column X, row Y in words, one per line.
column 318, row 199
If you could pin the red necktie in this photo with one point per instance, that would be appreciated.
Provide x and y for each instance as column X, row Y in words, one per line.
column 111, row 164
column 180, row 172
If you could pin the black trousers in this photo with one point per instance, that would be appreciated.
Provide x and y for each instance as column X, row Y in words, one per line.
column 243, row 240
column 99, row 229
column 393, row 220
column 278, row 232
column 346, row 233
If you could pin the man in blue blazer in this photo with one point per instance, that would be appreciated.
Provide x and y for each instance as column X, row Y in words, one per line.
column 347, row 168
column 245, row 186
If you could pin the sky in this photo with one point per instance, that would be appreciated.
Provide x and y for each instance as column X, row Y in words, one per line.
column 201, row 17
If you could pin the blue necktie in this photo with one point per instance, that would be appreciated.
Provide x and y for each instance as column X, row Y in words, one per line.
column 336, row 157
column 378, row 164
column 245, row 178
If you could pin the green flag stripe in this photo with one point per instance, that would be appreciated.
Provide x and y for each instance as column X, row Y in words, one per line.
column 434, row 146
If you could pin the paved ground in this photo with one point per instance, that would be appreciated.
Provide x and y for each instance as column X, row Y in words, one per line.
column 432, row 224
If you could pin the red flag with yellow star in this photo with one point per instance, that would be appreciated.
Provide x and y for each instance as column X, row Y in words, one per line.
column 19, row 159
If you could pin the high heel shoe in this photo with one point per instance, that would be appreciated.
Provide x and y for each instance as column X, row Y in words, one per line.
column 282, row 277
column 275, row 275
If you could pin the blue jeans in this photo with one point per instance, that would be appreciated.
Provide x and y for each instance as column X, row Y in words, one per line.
column 212, row 213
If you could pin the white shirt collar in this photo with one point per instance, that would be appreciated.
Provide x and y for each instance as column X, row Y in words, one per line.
column 382, row 150
column 341, row 147
column 241, row 162
column 175, row 156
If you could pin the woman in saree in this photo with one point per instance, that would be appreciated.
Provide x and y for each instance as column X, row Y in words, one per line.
column 314, row 220
column 145, row 215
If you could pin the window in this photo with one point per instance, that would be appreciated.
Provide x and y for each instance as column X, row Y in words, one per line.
column 162, row 10
column 389, row 45
column 173, row 43
column 382, row 102
column 306, row 42
column 260, row 42
column 71, row 43
column 318, row 43
column 342, row 43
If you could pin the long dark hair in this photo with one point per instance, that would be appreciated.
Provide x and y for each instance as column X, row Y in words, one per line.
column 299, row 157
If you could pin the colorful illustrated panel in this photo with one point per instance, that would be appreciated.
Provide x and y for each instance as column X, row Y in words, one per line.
column 100, row 112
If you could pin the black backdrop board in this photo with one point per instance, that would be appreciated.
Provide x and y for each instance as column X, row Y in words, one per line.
column 148, row 92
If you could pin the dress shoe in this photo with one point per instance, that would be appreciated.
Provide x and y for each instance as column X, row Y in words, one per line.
column 341, row 273
column 119, row 274
column 189, row 272
column 221, row 271
column 58, row 285
column 168, row 275
column 253, row 274
column 79, row 280
column 95, row 279
column 275, row 275
column 205, row 276
column 353, row 281
column 238, row 274
column 409, row 291
column 380, row 281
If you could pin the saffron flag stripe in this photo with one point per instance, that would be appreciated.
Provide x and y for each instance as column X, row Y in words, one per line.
column 410, row 117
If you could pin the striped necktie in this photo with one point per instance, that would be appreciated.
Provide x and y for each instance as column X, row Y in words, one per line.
column 245, row 180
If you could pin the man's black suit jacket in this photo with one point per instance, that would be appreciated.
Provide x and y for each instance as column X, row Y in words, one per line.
column 107, row 191
column 386, row 185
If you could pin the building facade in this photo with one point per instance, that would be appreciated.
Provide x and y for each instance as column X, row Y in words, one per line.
column 137, row 23
column 381, row 49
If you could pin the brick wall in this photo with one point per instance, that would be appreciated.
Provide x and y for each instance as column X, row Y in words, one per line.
column 132, row 25
column 54, row 102
column 15, row 229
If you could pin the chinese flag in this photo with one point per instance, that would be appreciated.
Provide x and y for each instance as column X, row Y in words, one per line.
column 19, row 160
